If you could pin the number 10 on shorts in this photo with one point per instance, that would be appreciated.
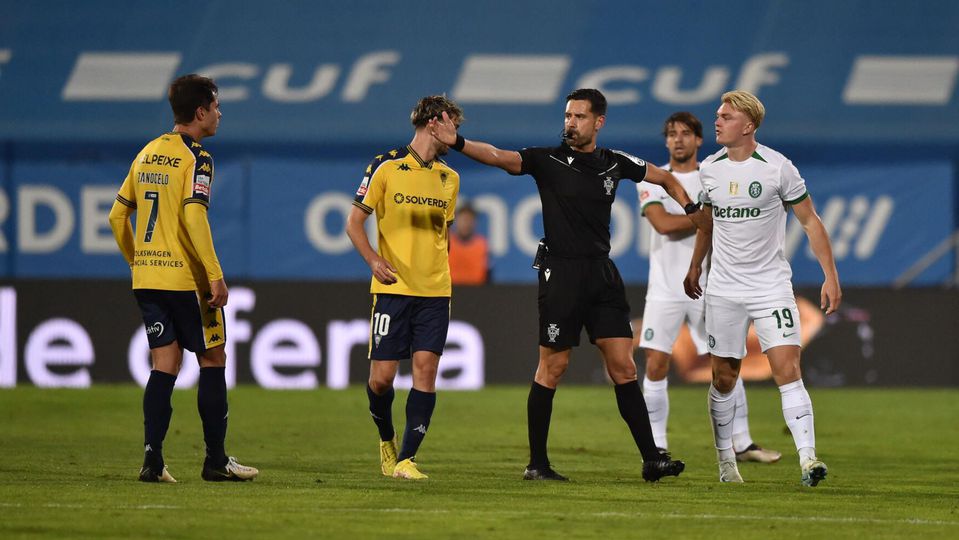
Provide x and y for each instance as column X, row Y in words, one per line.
column 381, row 324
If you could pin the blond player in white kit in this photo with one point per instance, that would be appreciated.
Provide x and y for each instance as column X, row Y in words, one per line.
column 749, row 188
column 667, row 306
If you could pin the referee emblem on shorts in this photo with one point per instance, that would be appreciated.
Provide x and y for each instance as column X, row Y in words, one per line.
column 755, row 189
column 552, row 332
column 648, row 334
column 711, row 341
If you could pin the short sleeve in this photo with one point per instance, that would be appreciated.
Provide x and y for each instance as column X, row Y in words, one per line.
column 650, row 194
column 199, row 188
column 631, row 167
column 792, row 186
column 532, row 160
column 451, row 207
column 704, row 192
column 372, row 187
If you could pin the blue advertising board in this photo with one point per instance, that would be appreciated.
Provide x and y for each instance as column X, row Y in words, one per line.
column 349, row 72
column 285, row 218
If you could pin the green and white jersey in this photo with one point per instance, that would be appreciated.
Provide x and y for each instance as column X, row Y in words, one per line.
column 748, row 200
column 669, row 258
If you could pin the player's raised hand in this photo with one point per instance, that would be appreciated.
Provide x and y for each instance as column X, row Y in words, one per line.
column 443, row 129
column 218, row 294
column 831, row 296
column 383, row 271
column 691, row 283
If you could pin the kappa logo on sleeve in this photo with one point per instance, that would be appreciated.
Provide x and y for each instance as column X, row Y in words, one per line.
column 201, row 184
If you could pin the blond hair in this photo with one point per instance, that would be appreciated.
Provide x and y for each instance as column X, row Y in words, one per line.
column 747, row 104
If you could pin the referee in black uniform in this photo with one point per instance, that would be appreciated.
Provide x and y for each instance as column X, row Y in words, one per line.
column 578, row 283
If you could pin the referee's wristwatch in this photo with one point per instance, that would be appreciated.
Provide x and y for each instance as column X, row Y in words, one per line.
column 692, row 207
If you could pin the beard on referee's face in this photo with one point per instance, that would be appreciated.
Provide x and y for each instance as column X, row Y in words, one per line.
column 575, row 139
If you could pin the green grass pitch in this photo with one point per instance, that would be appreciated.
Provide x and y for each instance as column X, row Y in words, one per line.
column 69, row 458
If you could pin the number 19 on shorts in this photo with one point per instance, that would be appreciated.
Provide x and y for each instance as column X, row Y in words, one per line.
column 784, row 317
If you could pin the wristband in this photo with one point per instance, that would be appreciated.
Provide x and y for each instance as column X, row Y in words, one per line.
column 691, row 208
column 459, row 144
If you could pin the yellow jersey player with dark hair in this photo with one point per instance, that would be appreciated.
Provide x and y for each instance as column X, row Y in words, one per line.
column 413, row 194
column 177, row 279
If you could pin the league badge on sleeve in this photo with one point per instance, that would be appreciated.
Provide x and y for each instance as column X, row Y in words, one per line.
column 363, row 187
column 201, row 185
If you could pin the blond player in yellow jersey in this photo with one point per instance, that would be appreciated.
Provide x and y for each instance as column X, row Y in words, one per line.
column 177, row 279
column 413, row 194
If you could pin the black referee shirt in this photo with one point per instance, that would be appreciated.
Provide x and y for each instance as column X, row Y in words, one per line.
column 577, row 190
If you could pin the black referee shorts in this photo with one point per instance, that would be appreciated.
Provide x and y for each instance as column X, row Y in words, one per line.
column 574, row 293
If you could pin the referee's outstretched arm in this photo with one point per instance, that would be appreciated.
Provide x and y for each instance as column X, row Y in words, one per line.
column 444, row 130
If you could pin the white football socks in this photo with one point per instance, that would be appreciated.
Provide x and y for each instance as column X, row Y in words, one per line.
column 741, row 437
column 657, row 402
column 722, row 409
column 797, row 411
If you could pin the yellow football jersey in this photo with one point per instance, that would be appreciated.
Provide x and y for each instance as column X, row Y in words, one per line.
column 169, row 187
column 414, row 202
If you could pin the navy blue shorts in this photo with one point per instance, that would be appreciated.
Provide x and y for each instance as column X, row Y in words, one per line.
column 180, row 316
column 401, row 325
column 577, row 293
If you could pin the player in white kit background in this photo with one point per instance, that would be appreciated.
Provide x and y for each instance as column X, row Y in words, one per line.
column 748, row 187
column 667, row 306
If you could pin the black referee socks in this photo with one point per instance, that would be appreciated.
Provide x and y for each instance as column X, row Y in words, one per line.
column 539, row 409
column 632, row 408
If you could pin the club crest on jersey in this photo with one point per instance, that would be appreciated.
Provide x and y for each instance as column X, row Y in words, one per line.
column 443, row 176
column 552, row 332
column 609, row 185
column 734, row 188
column 755, row 189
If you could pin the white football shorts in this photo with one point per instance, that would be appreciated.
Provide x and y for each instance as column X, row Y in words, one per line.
column 775, row 318
column 663, row 319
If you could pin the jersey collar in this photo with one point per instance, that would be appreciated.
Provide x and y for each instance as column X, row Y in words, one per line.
column 569, row 150
column 419, row 160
